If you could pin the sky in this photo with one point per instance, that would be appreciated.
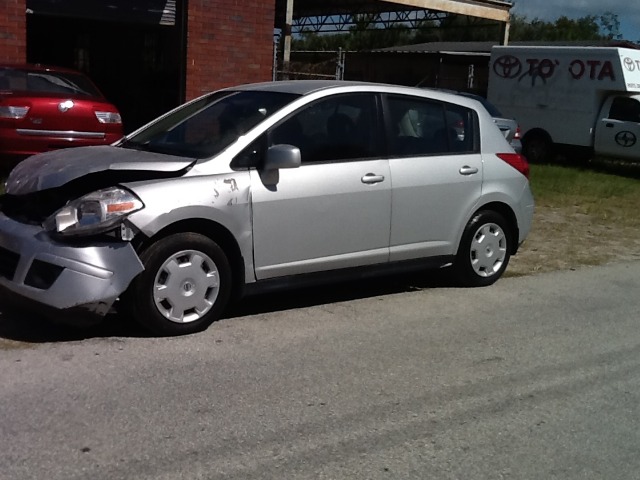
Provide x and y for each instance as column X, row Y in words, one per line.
column 628, row 12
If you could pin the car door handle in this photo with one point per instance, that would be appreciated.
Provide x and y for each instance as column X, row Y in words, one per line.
column 609, row 125
column 467, row 170
column 372, row 178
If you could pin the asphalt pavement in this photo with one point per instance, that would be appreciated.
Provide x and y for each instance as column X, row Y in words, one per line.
column 533, row 378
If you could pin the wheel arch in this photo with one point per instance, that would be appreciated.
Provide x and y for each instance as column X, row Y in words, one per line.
column 212, row 230
column 537, row 132
column 538, row 155
column 509, row 215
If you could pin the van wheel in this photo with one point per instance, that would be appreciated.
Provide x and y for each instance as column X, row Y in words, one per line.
column 184, row 287
column 484, row 251
column 537, row 147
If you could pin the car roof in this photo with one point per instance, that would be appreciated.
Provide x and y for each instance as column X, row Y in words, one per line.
column 306, row 87
column 301, row 87
column 36, row 67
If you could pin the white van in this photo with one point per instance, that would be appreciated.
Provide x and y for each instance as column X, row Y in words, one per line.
column 583, row 99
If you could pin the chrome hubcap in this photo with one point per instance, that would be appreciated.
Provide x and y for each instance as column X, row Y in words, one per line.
column 488, row 250
column 186, row 286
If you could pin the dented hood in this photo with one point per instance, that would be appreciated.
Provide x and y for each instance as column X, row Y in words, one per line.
column 54, row 169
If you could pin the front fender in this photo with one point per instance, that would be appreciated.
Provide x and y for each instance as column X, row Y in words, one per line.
column 223, row 199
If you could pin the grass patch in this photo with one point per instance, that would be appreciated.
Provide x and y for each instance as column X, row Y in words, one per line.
column 604, row 195
column 557, row 182
column 584, row 216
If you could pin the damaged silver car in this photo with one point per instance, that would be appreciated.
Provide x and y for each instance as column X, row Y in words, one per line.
column 260, row 186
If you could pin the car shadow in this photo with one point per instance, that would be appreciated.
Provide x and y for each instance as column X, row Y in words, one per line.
column 28, row 327
column 25, row 327
column 622, row 168
column 338, row 292
column 611, row 166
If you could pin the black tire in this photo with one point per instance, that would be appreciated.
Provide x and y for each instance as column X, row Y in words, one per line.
column 484, row 250
column 537, row 147
column 184, row 288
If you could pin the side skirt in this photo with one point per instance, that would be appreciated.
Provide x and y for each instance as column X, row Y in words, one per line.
column 344, row 275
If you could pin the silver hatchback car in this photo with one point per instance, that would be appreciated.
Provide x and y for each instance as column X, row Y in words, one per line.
column 262, row 186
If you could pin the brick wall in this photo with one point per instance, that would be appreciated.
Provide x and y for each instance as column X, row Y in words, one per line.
column 229, row 42
column 13, row 31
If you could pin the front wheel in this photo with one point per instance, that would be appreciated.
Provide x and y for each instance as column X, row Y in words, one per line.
column 184, row 288
column 484, row 251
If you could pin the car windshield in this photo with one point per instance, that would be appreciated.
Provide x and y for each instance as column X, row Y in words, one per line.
column 46, row 82
column 204, row 128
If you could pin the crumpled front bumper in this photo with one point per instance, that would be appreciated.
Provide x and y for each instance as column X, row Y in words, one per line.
column 37, row 271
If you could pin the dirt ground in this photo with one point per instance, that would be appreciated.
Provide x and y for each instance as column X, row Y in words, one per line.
column 563, row 238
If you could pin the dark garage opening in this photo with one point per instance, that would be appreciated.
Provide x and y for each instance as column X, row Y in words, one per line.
column 137, row 64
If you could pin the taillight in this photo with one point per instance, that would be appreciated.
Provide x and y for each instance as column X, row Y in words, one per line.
column 517, row 161
column 518, row 134
column 108, row 117
column 13, row 112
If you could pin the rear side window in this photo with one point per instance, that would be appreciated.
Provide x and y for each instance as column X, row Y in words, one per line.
column 418, row 126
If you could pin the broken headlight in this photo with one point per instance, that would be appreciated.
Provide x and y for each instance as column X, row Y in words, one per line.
column 97, row 212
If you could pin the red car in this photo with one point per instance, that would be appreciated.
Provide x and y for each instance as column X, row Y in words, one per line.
column 46, row 108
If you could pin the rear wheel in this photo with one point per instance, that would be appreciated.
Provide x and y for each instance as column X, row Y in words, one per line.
column 184, row 288
column 537, row 147
column 484, row 251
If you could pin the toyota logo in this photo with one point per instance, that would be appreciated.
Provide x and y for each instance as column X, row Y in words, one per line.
column 507, row 66
column 629, row 64
column 65, row 106
column 626, row 139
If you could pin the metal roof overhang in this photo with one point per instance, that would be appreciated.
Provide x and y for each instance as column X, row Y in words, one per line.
column 160, row 12
column 489, row 9
column 288, row 11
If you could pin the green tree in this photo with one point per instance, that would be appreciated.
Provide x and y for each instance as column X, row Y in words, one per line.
column 589, row 27
column 359, row 37
column 460, row 28
column 610, row 25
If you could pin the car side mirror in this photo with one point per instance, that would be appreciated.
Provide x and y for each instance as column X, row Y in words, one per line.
column 277, row 157
column 282, row 156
